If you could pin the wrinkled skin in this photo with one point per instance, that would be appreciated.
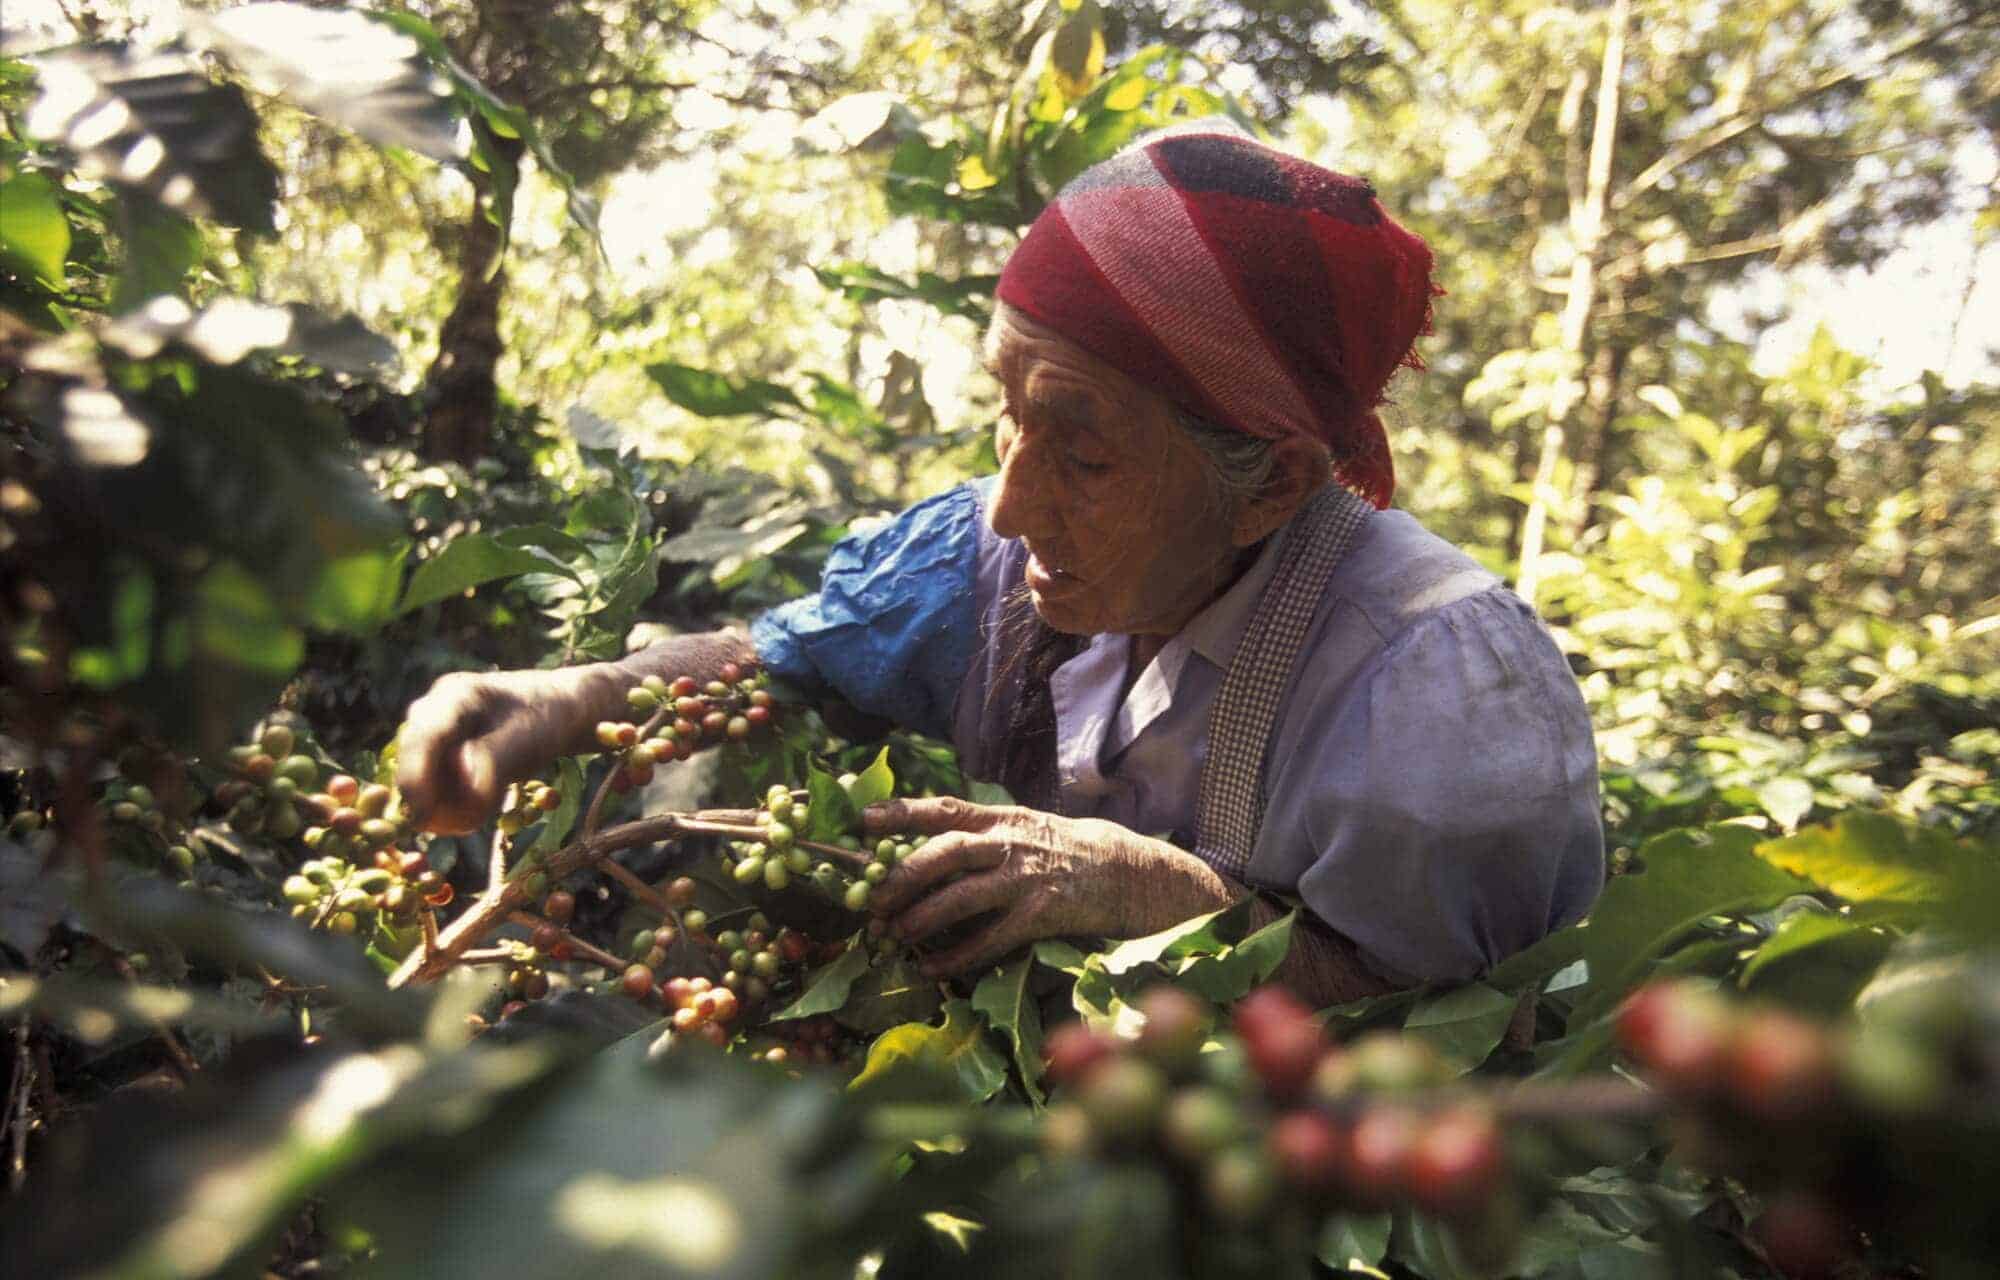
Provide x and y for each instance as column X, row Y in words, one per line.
column 1046, row 876
column 1127, row 535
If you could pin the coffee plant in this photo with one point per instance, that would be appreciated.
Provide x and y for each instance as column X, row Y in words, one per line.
column 644, row 1022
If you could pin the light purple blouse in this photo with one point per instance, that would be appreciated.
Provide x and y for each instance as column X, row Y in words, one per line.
column 1432, row 785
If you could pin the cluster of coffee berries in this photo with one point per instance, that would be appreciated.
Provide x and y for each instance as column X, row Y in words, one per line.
column 132, row 804
column 845, row 871
column 1823, row 1119
column 268, row 780
column 525, row 803
column 814, row 1041
column 333, row 894
column 1311, row 1126
column 684, row 715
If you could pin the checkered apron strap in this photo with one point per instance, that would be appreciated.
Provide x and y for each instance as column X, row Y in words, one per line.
column 1240, row 724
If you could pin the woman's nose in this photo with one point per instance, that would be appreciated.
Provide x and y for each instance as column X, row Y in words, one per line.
column 1024, row 498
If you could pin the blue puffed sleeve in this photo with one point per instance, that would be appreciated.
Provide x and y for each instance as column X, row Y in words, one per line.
column 894, row 622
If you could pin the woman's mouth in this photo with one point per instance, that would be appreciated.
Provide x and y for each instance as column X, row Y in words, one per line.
column 1043, row 578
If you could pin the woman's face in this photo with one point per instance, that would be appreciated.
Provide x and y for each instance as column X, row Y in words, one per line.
column 1116, row 504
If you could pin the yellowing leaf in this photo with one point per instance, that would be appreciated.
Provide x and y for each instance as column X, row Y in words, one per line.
column 1126, row 94
column 1077, row 57
column 973, row 175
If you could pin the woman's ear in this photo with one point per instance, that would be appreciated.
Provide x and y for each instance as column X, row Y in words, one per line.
column 1299, row 468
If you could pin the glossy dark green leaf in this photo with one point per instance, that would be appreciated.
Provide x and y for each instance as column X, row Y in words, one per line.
column 830, row 814
column 887, row 995
column 152, row 122
column 1347, row 1240
column 33, row 231
column 472, row 559
column 1688, row 877
column 1464, row 1024
column 828, row 990
column 1007, row 1002
column 712, row 395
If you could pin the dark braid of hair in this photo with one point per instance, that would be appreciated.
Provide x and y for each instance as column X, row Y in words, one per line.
column 1029, row 770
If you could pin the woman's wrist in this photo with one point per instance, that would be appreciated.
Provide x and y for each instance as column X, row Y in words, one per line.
column 1167, row 885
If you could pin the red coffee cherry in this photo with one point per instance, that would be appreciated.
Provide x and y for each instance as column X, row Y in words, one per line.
column 1679, row 1033
column 1281, row 1039
column 730, row 673
column 560, row 906
column 1176, row 1024
column 1457, row 1163
column 1375, row 1161
column 545, row 938
column 637, row 981
column 1073, row 1051
column 1306, row 1147
column 1779, row 1066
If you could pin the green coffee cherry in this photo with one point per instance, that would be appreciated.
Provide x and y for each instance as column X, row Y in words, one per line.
column 300, row 771
column 776, row 874
column 300, row 890
column 749, row 869
column 642, row 700
column 798, row 861
column 874, row 873
column 856, row 897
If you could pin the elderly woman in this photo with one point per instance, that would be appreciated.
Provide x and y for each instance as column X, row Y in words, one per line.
column 1178, row 624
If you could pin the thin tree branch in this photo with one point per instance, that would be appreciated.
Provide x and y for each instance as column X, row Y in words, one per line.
column 1730, row 127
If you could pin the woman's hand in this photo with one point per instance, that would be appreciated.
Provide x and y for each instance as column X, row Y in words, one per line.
column 1045, row 876
column 471, row 735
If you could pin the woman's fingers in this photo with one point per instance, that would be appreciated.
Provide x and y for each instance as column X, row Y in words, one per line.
column 959, row 900
column 941, row 858
column 930, row 816
column 1015, row 929
column 458, row 750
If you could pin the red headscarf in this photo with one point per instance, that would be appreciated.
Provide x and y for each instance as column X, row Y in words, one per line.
column 1247, row 286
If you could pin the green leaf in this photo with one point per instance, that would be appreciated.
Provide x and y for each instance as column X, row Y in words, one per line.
column 1816, row 963
column 33, row 230
column 1348, row 1240
column 1872, row 857
column 1688, row 876
column 830, row 814
column 556, row 826
column 471, row 559
column 1007, row 1004
column 967, row 296
column 712, row 395
column 1539, row 962
column 828, row 991
column 1229, row 974
column 1202, row 935
column 1102, row 1004
column 888, row 995
column 951, row 1063
column 875, row 784
column 161, row 247
column 1465, row 1024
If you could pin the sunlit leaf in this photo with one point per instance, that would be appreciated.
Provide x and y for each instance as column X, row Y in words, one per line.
column 33, row 230
column 952, row 1062
column 152, row 122
column 344, row 66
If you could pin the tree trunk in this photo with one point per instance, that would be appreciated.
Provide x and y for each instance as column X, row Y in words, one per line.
column 1587, row 230
column 460, row 392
